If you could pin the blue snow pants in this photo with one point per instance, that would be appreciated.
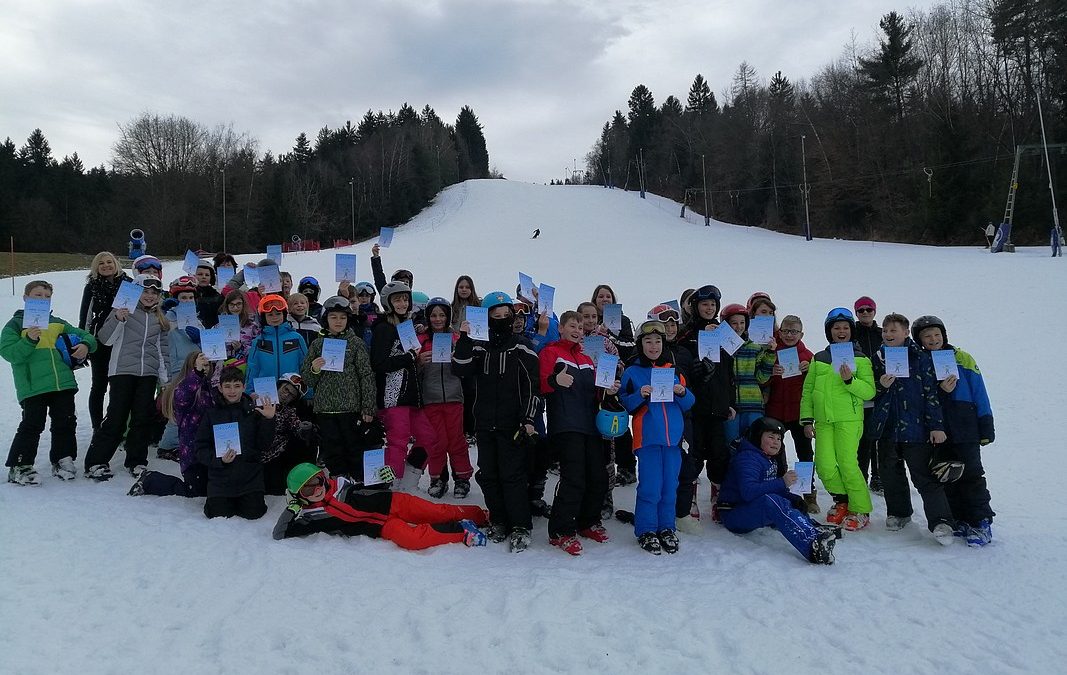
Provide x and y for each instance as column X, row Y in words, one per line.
column 772, row 509
column 657, row 488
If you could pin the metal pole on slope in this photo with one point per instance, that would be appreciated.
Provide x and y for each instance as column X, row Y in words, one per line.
column 12, row 265
column 641, row 169
column 1057, row 233
column 223, row 172
column 807, row 212
column 707, row 214
column 352, row 197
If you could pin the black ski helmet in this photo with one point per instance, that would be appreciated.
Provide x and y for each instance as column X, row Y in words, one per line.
column 763, row 425
column 927, row 321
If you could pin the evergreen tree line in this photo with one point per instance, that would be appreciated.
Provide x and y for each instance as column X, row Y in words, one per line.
column 170, row 177
column 912, row 139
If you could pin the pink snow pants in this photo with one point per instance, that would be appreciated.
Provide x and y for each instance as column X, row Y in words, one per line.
column 401, row 423
column 447, row 421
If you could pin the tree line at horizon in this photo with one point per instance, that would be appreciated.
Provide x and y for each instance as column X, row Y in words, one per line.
column 910, row 139
column 171, row 175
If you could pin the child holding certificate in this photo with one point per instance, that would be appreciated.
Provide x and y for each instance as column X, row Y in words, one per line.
column 786, row 387
column 753, row 496
column 831, row 409
column 442, row 403
column 657, row 429
column 969, row 425
column 753, row 366
column 344, row 400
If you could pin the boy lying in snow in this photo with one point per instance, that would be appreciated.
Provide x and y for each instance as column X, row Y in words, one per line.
column 338, row 506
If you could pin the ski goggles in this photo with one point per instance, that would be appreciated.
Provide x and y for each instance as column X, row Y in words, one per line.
column 295, row 380
column 273, row 304
column 652, row 327
column 840, row 314
column 364, row 288
column 522, row 309
column 665, row 315
column 148, row 264
column 309, row 488
column 336, row 302
column 152, row 284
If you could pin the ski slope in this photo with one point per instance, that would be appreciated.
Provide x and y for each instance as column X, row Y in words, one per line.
column 93, row 581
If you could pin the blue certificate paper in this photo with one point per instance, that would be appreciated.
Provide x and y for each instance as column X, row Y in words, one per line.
column 223, row 276
column 345, row 267
column 546, row 295
column 662, row 382
column 944, row 363
column 270, row 278
column 606, row 368
column 842, row 352
column 729, row 340
column 526, row 285
column 805, row 474
column 231, row 327
column 613, row 318
column 408, row 339
column 227, row 438
column 442, row 348
column 185, row 313
column 266, row 389
column 213, row 344
column 128, row 296
column 789, row 360
column 761, row 329
column 896, row 361
column 333, row 350
column 594, row 346
column 385, row 238
column 274, row 252
column 708, row 345
column 36, row 313
column 373, row 461
column 251, row 276
column 190, row 263
column 478, row 318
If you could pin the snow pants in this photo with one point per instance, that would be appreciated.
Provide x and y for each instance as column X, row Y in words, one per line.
column 836, row 445
column 401, row 423
column 250, row 506
column 451, row 446
column 709, row 445
column 657, row 488
column 503, row 472
column 337, row 451
column 583, row 482
column 35, row 411
column 776, row 510
column 193, row 483
column 132, row 399
column 868, row 451
column 968, row 497
column 916, row 457
column 415, row 523
column 99, row 362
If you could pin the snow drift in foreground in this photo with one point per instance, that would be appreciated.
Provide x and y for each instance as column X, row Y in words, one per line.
column 93, row 581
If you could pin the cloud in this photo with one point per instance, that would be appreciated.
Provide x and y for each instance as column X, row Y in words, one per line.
column 543, row 76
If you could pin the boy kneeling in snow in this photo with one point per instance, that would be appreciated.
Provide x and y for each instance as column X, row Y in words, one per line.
column 753, row 496
column 321, row 503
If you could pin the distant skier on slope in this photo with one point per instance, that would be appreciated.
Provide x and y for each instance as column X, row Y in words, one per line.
column 536, row 234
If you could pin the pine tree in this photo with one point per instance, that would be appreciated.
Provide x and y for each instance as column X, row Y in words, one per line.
column 470, row 131
column 893, row 68
column 701, row 100
column 642, row 117
column 302, row 150
column 37, row 152
column 407, row 115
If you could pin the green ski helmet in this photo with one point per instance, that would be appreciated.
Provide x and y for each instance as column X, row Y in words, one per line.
column 299, row 475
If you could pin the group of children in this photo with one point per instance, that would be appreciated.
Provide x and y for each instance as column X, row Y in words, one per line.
column 352, row 376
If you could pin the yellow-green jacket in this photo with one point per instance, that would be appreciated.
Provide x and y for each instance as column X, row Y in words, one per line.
column 828, row 399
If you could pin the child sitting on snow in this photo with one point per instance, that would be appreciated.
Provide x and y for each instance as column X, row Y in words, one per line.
column 753, row 496
column 322, row 503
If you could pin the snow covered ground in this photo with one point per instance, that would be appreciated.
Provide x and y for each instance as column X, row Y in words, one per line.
column 93, row 581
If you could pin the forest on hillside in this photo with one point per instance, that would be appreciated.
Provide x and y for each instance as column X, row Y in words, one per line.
column 909, row 138
column 181, row 181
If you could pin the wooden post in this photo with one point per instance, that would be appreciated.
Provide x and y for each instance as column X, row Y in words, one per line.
column 12, row 265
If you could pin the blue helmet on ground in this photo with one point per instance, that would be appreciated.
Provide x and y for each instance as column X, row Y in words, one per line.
column 612, row 423
column 495, row 299
column 65, row 345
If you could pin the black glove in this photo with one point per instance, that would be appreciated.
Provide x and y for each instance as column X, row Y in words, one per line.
column 525, row 441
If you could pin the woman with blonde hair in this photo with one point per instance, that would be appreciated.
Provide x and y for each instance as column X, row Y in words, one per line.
column 101, row 286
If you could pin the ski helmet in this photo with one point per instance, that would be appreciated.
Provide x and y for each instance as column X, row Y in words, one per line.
column 366, row 288
column 497, row 298
column 758, row 295
column 147, row 262
column 300, row 474
column 309, row 283
column 272, row 302
column 65, row 344
column 651, row 327
column 663, row 312
column 443, row 304
column 418, row 300
column 733, row 309
column 612, row 423
column 335, row 303
column 762, row 426
column 924, row 322
column 839, row 314
column 183, row 284
column 708, row 292
column 390, row 289
column 295, row 380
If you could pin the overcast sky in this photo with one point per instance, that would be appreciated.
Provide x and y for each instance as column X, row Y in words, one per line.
column 543, row 76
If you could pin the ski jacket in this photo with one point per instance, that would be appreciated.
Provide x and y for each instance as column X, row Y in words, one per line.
column 208, row 303
column 345, row 509
column 97, row 298
column 712, row 383
column 909, row 409
column 37, row 366
column 571, row 408
column 625, row 341
column 653, row 423
column 140, row 345
column 308, row 327
column 181, row 345
column 244, row 475
column 397, row 380
column 350, row 391
column 753, row 365
column 436, row 381
column 505, row 378
column 277, row 350
column 827, row 399
column 783, row 401
column 192, row 397
column 541, row 341
column 967, row 413
column 751, row 475
column 869, row 338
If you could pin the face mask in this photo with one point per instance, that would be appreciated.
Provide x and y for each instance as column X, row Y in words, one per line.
column 499, row 329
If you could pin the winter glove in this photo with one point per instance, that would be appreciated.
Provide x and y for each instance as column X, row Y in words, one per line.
column 386, row 474
column 525, row 441
column 308, row 433
column 703, row 370
column 294, row 506
column 194, row 333
column 282, row 526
